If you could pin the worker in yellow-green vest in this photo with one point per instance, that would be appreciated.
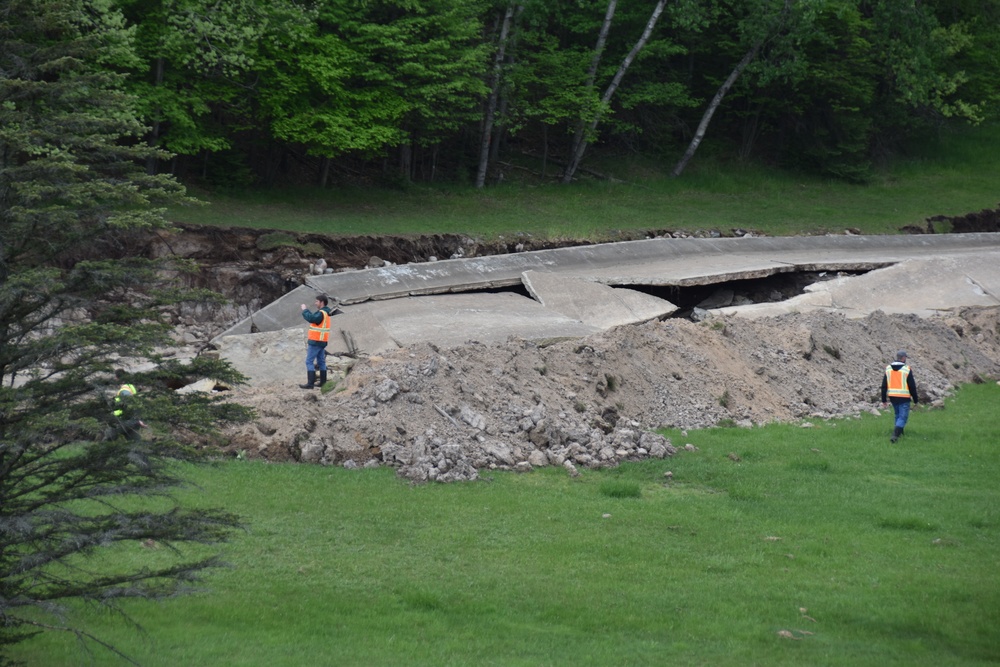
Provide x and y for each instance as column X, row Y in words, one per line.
column 898, row 388
column 124, row 393
column 317, row 339
column 126, row 414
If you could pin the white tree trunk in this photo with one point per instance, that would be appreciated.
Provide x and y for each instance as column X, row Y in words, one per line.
column 581, row 128
column 710, row 111
column 578, row 150
column 491, row 103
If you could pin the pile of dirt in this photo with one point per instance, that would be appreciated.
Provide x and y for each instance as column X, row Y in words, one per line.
column 446, row 414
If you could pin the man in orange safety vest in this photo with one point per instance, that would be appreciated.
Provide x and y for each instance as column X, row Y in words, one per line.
column 899, row 387
column 318, row 337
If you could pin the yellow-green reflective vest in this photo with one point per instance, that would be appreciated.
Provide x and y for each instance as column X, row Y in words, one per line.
column 124, row 390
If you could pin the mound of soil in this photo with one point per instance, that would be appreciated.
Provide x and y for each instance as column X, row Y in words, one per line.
column 447, row 414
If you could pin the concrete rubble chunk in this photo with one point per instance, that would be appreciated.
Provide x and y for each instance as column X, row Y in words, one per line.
column 592, row 303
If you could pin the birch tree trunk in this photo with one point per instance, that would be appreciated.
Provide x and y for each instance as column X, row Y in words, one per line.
column 581, row 128
column 491, row 103
column 578, row 150
column 710, row 111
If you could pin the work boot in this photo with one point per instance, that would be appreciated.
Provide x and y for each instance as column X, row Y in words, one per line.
column 311, row 383
column 322, row 379
column 896, row 432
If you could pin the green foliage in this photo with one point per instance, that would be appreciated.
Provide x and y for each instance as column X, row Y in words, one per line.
column 71, row 185
column 273, row 240
column 725, row 399
column 916, row 52
column 979, row 61
column 885, row 554
column 374, row 76
column 283, row 91
column 197, row 61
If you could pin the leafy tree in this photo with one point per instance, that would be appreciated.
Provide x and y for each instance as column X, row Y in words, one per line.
column 826, row 118
column 379, row 75
column 916, row 55
column 758, row 24
column 807, row 93
column 72, row 188
column 543, row 78
column 570, row 64
column 980, row 60
column 195, row 78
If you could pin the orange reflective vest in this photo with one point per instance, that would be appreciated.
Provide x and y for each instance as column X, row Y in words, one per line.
column 320, row 332
column 896, row 382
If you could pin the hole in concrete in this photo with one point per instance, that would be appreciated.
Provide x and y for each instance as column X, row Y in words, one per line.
column 770, row 289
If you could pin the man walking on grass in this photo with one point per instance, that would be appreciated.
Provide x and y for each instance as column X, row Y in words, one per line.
column 898, row 386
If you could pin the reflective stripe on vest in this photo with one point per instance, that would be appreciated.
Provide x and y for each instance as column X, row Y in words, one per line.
column 896, row 382
column 124, row 389
column 320, row 332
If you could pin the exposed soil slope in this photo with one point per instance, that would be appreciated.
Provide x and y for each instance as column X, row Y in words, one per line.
column 446, row 414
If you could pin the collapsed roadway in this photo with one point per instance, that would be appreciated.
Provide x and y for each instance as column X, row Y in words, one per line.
column 572, row 292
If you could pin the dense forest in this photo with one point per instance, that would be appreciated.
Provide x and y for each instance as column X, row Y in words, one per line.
column 270, row 92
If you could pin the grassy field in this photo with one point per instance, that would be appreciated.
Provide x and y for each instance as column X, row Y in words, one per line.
column 779, row 545
column 954, row 175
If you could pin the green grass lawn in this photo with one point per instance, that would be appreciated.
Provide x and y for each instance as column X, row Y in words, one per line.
column 780, row 545
column 954, row 175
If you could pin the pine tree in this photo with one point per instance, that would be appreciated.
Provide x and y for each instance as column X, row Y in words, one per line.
column 73, row 188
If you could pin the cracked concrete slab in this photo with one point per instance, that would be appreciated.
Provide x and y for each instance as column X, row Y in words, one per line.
column 920, row 286
column 659, row 262
column 456, row 319
column 576, row 291
column 593, row 303
column 378, row 327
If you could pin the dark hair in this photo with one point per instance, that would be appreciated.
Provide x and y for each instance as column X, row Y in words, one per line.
column 322, row 299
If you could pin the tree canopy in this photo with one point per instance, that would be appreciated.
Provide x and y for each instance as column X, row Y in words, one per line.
column 283, row 91
column 75, row 480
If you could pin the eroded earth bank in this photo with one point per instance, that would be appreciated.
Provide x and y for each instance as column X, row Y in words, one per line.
column 449, row 414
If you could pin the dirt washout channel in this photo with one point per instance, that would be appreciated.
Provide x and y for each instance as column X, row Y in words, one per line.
column 253, row 267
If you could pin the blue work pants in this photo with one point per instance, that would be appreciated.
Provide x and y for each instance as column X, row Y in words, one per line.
column 315, row 358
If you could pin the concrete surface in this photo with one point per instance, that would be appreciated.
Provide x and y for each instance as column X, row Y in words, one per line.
column 456, row 319
column 574, row 291
column 592, row 303
column 918, row 286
